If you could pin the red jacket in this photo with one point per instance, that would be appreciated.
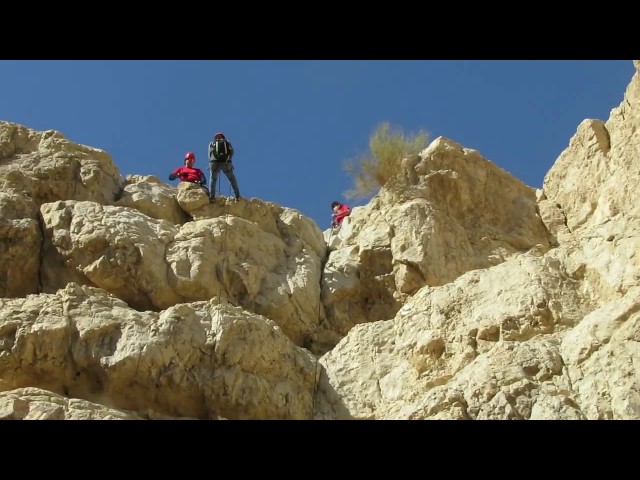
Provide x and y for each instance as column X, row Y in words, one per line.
column 189, row 174
column 343, row 211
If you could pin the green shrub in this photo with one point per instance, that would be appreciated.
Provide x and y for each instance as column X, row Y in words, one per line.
column 374, row 169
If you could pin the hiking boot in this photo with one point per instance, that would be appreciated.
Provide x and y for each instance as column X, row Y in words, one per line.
column 238, row 197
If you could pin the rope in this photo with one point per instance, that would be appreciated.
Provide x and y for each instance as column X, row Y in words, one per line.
column 316, row 379
column 224, row 239
column 223, row 249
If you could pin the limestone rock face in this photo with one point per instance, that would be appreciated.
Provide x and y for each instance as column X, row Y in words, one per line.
column 152, row 197
column 48, row 167
column 195, row 360
column 20, row 243
column 36, row 404
column 457, row 292
column 448, row 212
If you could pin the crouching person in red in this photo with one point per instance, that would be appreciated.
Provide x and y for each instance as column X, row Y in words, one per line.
column 340, row 211
column 189, row 173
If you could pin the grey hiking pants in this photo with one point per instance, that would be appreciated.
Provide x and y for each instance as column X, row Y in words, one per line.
column 227, row 169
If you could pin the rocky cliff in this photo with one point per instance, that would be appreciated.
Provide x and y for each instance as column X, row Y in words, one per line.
column 457, row 292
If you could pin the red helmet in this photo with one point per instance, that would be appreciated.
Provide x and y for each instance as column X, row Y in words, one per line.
column 190, row 156
column 219, row 135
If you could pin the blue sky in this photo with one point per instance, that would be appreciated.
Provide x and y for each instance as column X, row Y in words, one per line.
column 293, row 123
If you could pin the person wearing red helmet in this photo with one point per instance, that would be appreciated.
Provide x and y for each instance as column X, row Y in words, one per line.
column 189, row 173
column 220, row 155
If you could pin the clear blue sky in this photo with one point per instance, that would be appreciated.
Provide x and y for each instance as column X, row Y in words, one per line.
column 293, row 123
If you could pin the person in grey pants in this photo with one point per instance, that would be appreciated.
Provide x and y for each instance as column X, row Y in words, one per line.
column 220, row 156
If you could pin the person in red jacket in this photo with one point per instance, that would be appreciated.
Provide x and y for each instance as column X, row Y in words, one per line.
column 340, row 211
column 189, row 173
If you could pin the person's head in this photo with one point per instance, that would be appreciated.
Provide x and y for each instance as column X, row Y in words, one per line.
column 189, row 159
column 335, row 204
column 219, row 135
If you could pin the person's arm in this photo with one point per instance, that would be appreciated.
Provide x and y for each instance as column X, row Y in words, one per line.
column 342, row 213
column 230, row 151
column 173, row 175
